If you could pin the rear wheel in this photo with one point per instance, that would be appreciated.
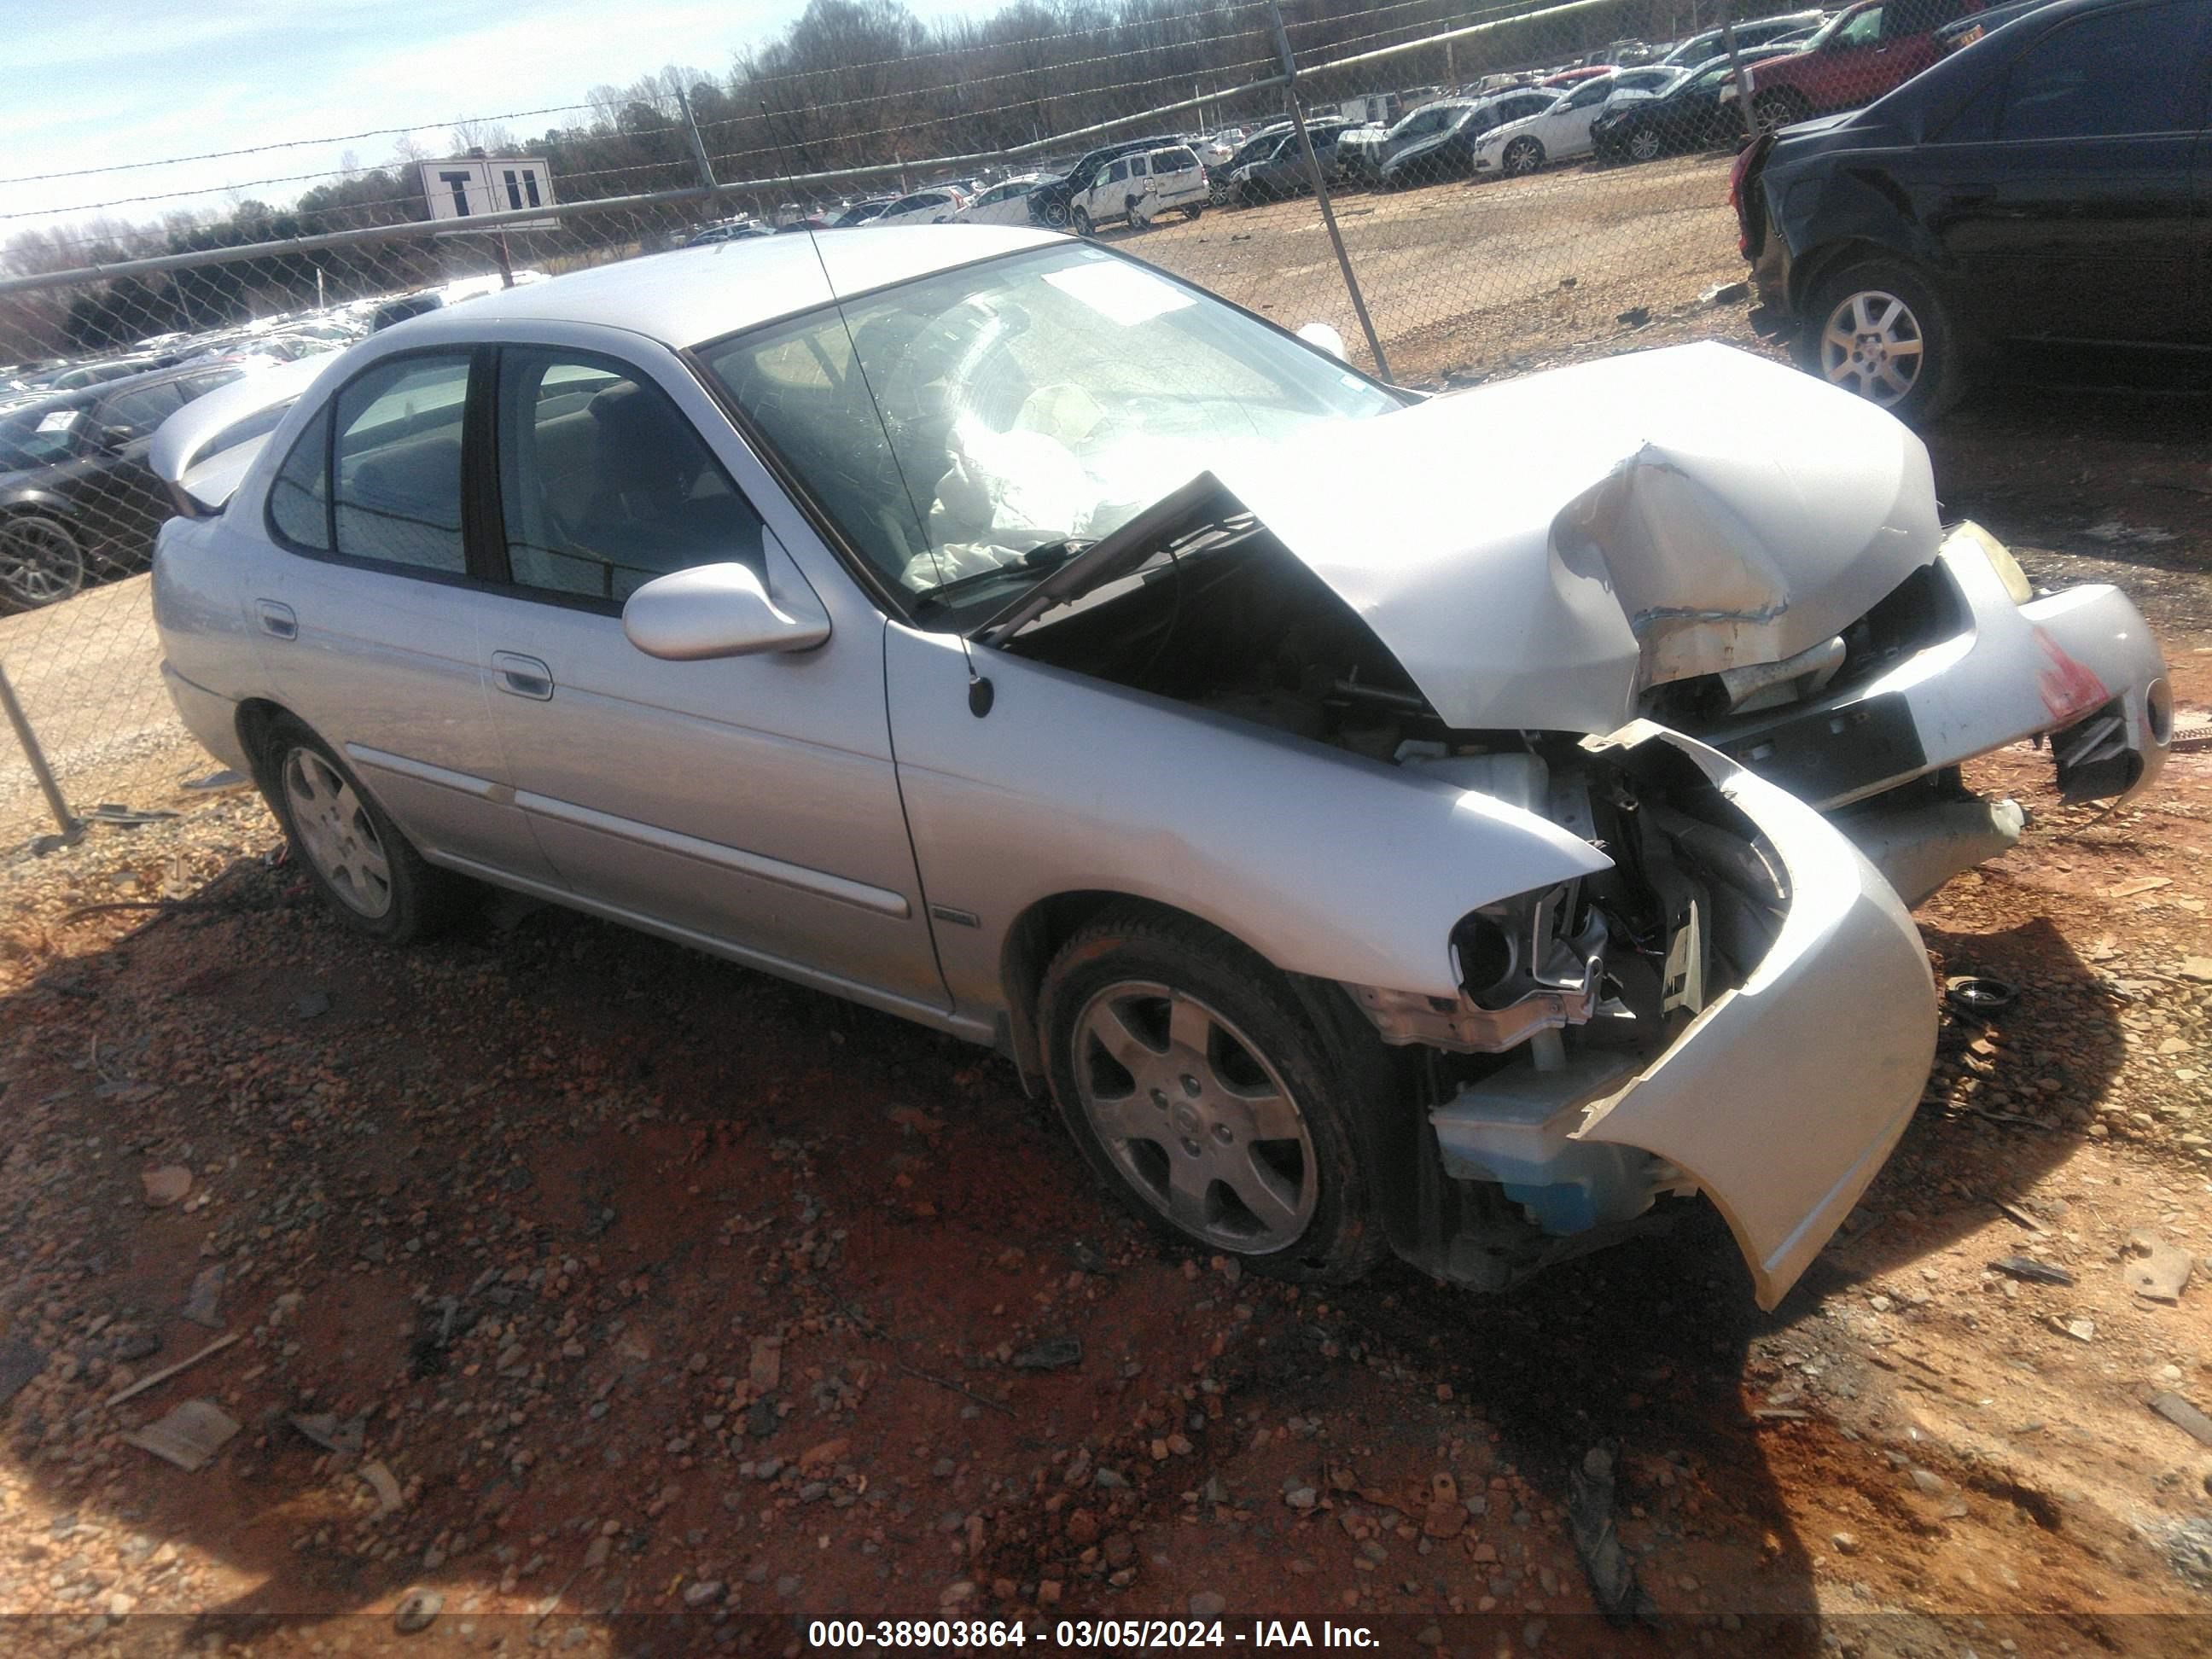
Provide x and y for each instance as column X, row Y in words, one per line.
column 41, row 562
column 1052, row 214
column 1198, row 1090
column 1780, row 107
column 369, row 873
column 1881, row 330
column 1523, row 155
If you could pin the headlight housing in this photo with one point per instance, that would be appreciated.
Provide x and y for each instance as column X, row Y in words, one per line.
column 2017, row 586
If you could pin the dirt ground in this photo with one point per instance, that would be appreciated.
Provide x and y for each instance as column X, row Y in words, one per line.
column 629, row 1300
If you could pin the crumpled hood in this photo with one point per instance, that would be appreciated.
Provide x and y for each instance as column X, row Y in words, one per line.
column 1537, row 553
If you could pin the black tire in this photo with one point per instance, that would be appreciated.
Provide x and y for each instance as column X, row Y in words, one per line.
column 1523, row 155
column 1857, row 300
column 420, row 900
column 1258, row 1044
column 1053, row 215
column 1078, row 220
column 42, row 561
column 1193, row 213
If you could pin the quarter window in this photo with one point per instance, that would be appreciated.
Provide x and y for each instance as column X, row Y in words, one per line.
column 2118, row 72
column 143, row 408
column 300, row 497
column 397, row 480
column 604, row 484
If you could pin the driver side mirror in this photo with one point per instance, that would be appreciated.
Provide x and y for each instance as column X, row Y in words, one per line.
column 726, row 611
column 118, row 437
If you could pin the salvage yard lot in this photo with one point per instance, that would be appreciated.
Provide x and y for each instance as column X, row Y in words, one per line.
column 631, row 1283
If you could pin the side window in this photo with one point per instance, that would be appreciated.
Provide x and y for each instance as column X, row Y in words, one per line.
column 1862, row 31
column 298, row 498
column 2115, row 72
column 398, row 463
column 143, row 408
column 1117, row 173
column 1909, row 17
column 1592, row 92
column 604, row 484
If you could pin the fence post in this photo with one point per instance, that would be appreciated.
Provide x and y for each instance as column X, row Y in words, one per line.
column 698, row 149
column 64, row 820
column 1736, row 68
column 1321, row 190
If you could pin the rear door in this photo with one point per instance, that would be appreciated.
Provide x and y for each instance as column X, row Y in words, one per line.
column 365, row 617
column 2072, row 208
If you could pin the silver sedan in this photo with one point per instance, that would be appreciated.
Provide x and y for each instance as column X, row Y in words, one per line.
column 1473, row 827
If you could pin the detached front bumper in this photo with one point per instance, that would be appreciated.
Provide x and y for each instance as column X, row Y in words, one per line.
column 1779, row 1100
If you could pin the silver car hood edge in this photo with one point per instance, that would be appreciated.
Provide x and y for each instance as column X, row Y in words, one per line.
column 1537, row 553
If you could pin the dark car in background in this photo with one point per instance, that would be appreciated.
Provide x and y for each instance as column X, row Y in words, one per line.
column 77, row 501
column 1278, row 170
column 1689, row 117
column 1762, row 33
column 2037, row 200
column 1449, row 153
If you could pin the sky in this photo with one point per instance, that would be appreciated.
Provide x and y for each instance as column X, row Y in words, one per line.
column 89, row 83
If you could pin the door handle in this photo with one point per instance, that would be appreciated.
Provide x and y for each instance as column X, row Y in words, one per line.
column 275, row 619
column 522, row 676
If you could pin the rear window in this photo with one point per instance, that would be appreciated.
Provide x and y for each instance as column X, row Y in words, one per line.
column 1173, row 160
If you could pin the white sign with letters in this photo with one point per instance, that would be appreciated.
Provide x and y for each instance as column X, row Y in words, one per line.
column 477, row 185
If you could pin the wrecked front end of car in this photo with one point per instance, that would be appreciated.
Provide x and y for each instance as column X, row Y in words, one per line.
column 1744, row 671
column 1740, row 1007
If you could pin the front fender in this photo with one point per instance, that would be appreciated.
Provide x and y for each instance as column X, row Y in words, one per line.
column 1326, row 864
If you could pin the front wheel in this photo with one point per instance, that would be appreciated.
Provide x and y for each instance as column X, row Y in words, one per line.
column 1198, row 1090
column 41, row 562
column 1881, row 331
column 369, row 873
column 1643, row 145
column 1053, row 215
column 1782, row 106
column 1079, row 220
column 1523, row 155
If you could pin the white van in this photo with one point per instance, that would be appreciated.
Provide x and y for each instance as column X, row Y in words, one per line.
column 1139, row 188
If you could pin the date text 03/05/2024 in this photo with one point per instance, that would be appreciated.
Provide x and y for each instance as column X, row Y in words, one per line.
column 926, row 1633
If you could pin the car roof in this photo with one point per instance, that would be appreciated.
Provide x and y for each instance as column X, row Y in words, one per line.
column 690, row 295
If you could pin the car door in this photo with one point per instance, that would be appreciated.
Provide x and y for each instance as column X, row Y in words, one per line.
column 1566, row 129
column 746, row 803
column 123, row 503
column 365, row 616
column 2070, row 206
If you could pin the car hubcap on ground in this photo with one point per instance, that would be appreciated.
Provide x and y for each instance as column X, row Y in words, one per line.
column 335, row 834
column 40, row 562
column 1872, row 346
column 1196, row 1117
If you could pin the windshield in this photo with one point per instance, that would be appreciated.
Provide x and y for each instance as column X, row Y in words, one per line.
column 37, row 436
column 1025, row 402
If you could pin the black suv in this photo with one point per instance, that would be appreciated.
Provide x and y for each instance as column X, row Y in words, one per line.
column 2036, row 199
column 77, row 500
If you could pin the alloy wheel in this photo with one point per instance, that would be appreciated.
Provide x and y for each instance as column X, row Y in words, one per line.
column 1643, row 145
column 1874, row 346
column 1196, row 1117
column 335, row 833
column 40, row 562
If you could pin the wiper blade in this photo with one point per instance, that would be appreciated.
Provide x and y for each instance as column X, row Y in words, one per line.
column 1041, row 560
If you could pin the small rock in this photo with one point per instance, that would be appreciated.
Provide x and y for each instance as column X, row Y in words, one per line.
column 1635, row 316
column 702, row 1593
column 1208, row 1604
column 165, row 1184
column 2155, row 1270
column 201, row 1305
column 1300, row 1497
column 1846, row 1543
column 2081, row 1330
column 1054, row 1354
column 766, row 1370
column 416, row 1611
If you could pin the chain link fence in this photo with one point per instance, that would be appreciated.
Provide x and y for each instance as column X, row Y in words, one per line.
column 1460, row 193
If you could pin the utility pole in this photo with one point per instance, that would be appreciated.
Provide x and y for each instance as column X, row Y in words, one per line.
column 1320, row 189
column 1736, row 68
